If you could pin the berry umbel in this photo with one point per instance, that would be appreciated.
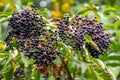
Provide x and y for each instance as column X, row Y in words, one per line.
column 35, row 40
column 75, row 30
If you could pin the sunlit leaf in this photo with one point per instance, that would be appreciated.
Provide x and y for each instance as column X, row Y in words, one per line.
column 81, row 10
column 109, row 9
column 117, row 24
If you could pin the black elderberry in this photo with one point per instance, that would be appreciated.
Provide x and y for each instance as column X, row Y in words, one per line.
column 37, row 42
column 78, row 27
column 19, row 73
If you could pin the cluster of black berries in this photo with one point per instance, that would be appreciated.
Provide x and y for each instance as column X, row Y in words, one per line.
column 79, row 27
column 19, row 73
column 35, row 40
column 64, row 32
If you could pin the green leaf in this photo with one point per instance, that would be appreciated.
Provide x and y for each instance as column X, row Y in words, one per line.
column 36, row 75
column 15, row 43
column 103, row 18
column 115, row 46
column 113, row 63
column 58, row 61
column 9, row 74
column 4, row 14
column 86, row 13
column 28, row 72
column 91, row 74
column 42, row 78
column 100, row 63
column 6, row 68
column 88, row 38
column 5, row 54
column 5, row 19
column 110, row 9
column 72, row 65
column 25, row 60
column 115, row 56
column 64, row 49
column 104, row 57
column 12, row 55
column 84, row 66
column 4, row 29
column 86, row 54
column 118, row 35
column 108, row 75
column 115, row 70
column 81, row 10
column 117, row 24
column 112, row 16
column 51, row 77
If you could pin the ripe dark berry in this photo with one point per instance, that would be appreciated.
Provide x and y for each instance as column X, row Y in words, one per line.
column 19, row 73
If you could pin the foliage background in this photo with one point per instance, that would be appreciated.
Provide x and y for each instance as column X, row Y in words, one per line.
column 105, row 68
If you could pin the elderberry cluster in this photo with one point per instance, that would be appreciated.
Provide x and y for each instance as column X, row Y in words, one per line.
column 65, row 31
column 35, row 40
column 78, row 27
column 19, row 73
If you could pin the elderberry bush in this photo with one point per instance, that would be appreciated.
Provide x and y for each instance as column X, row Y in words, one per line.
column 78, row 27
column 35, row 40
